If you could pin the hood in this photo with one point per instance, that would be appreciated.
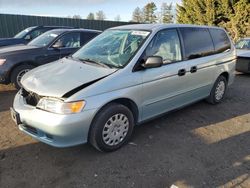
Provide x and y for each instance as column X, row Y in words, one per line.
column 58, row 78
column 17, row 49
column 243, row 53
column 11, row 41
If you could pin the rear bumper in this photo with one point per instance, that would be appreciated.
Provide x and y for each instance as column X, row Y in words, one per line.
column 53, row 129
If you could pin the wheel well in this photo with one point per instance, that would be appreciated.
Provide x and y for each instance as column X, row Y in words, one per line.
column 225, row 74
column 131, row 105
column 19, row 64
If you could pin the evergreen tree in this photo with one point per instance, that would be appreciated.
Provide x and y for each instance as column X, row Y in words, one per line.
column 200, row 12
column 137, row 15
column 239, row 24
column 149, row 15
column 234, row 15
column 91, row 16
column 166, row 13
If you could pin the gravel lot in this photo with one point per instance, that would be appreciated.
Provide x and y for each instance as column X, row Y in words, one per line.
column 199, row 146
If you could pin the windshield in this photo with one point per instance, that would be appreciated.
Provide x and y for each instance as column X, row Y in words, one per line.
column 113, row 47
column 243, row 44
column 45, row 39
column 23, row 33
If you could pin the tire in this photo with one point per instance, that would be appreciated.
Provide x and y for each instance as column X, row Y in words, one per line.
column 218, row 92
column 17, row 74
column 107, row 127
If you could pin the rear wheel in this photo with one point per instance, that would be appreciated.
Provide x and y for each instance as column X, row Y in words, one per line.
column 18, row 73
column 111, row 128
column 219, row 90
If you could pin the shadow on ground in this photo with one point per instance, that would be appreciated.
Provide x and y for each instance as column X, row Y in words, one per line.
column 6, row 99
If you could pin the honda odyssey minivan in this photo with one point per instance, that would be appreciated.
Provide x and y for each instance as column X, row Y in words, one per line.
column 123, row 77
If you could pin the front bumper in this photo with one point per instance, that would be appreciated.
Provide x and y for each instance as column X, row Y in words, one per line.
column 53, row 129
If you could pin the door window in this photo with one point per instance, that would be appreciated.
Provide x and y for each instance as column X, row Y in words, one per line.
column 69, row 40
column 197, row 42
column 165, row 44
column 35, row 33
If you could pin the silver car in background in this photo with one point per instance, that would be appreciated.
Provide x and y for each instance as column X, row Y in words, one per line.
column 123, row 77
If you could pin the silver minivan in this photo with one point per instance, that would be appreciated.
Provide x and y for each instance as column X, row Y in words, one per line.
column 123, row 77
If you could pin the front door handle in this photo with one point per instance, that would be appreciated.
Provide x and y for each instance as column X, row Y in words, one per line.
column 182, row 72
column 193, row 69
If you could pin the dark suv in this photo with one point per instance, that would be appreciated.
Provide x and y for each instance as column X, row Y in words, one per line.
column 28, row 34
column 48, row 47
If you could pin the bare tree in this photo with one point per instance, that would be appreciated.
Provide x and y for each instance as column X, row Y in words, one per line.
column 117, row 18
column 77, row 17
column 100, row 15
column 137, row 15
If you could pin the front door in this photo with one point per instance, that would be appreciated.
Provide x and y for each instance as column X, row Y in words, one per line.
column 164, row 87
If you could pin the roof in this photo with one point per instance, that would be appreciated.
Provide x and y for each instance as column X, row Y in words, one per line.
column 52, row 26
column 159, row 26
column 81, row 30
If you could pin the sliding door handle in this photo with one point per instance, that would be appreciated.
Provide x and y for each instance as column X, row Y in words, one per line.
column 193, row 69
column 182, row 72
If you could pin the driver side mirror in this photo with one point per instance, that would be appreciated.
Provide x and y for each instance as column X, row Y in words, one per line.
column 153, row 62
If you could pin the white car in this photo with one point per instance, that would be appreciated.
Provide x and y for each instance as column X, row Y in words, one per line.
column 243, row 55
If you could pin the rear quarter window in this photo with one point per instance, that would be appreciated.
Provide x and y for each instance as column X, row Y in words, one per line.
column 221, row 40
column 197, row 42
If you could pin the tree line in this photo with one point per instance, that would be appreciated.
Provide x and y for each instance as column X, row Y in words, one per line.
column 149, row 14
column 100, row 15
column 233, row 15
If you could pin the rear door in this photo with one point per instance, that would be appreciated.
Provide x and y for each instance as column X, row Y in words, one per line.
column 200, row 59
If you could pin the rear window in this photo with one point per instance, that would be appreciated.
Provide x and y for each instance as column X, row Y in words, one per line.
column 197, row 42
column 221, row 40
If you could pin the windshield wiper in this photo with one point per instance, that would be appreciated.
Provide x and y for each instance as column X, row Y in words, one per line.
column 95, row 62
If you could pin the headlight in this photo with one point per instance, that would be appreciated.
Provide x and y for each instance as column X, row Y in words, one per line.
column 60, row 107
column 2, row 61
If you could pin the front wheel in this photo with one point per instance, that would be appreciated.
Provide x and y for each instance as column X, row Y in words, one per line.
column 18, row 73
column 219, row 90
column 111, row 128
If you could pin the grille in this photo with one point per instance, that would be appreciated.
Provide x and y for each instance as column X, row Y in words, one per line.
column 30, row 97
column 30, row 129
column 37, row 132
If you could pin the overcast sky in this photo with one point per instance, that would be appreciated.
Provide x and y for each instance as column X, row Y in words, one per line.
column 76, row 7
